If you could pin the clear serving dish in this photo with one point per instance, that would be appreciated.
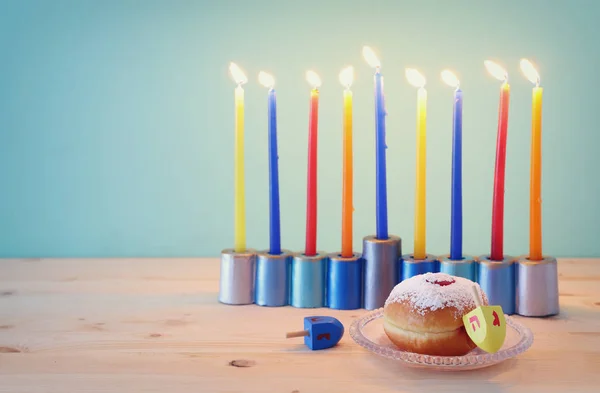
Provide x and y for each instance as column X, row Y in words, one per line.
column 368, row 332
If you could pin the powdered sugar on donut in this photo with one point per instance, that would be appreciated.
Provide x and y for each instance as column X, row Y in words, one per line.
column 424, row 294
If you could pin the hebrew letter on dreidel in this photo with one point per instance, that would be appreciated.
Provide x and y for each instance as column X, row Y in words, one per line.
column 496, row 319
column 474, row 319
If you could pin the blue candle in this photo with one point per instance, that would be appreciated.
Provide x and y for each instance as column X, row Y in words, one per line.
column 381, row 193
column 274, row 221
column 380, row 164
column 275, row 234
column 456, row 190
column 456, row 203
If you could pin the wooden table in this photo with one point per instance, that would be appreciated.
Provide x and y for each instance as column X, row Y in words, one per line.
column 142, row 325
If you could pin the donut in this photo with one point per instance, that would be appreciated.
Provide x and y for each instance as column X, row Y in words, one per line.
column 423, row 314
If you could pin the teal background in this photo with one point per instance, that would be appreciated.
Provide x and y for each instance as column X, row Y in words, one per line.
column 116, row 121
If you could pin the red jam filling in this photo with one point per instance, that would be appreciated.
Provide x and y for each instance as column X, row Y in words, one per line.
column 443, row 283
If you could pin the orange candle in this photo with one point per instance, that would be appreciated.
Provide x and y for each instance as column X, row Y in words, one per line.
column 535, row 197
column 346, row 77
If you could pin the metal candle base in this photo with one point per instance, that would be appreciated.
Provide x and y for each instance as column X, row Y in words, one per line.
column 238, row 271
column 466, row 267
column 412, row 267
column 497, row 280
column 273, row 278
column 308, row 280
column 536, row 287
column 380, row 269
column 344, row 282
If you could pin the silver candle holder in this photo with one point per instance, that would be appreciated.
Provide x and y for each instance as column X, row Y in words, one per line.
column 273, row 278
column 238, row 276
column 380, row 269
column 497, row 281
column 465, row 267
column 308, row 280
column 537, row 287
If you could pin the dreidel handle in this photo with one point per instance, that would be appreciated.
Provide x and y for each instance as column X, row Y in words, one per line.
column 299, row 333
column 476, row 296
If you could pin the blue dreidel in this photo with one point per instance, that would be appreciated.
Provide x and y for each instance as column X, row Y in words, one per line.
column 320, row 332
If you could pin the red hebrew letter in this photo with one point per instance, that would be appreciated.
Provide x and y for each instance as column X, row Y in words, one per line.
column 496, row 319
column 325, row 336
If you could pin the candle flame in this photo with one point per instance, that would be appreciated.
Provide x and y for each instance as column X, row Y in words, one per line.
column 238, row 75
column 496, row 70
column 266, row 80
column 415, row 78
column 313, row 79
column 450, row 79
column 347, row 76
column 530, row 72
column 370, row 57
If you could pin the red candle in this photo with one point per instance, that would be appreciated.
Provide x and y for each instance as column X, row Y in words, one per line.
column 310, row 248
column 497, row 252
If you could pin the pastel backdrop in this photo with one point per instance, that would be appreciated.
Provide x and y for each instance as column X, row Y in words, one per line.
column 116, row 121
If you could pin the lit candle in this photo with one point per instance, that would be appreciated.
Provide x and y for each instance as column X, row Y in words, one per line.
column 346, row 79
column 380, row 146
column 310, row 248
column 497, row 252
column 456, row 229
column 239, row 192
column 535, row 196
column 268, row 81
column 415, row 78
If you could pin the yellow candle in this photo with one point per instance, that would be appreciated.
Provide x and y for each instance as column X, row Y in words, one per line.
column 239, row 186
column 346, row 78
column 418, row 80
column 535, row 194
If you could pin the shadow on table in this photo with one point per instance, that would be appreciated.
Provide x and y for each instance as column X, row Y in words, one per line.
column 587, row 310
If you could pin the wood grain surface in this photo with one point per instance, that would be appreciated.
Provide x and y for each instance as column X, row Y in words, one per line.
column 155, row 325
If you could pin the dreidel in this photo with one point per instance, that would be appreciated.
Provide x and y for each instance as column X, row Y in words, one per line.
column 320, row 332
column 485, row 325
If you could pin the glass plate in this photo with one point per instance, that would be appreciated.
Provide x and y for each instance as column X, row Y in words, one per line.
column 368, row 332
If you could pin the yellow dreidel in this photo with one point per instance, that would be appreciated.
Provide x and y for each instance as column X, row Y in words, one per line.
column 486, row 325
